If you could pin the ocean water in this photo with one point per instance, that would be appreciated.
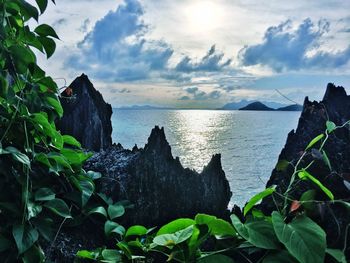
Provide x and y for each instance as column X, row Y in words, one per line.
column 249, row 141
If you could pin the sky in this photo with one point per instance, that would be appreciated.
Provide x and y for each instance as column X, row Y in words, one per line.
column 200, row 53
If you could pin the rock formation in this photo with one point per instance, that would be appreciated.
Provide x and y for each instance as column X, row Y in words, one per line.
column 335, row 107
column 257, row 106
column 157, row 184
column 87, row 116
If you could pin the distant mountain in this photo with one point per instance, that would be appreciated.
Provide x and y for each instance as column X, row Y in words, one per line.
column 257, row 106
column 294, row 107
column 142, row 107
column 243, row 103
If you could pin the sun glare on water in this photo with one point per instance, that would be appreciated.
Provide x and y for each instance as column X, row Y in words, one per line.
column 203, row 15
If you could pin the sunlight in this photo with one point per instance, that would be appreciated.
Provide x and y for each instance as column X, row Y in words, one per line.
column 204, row 15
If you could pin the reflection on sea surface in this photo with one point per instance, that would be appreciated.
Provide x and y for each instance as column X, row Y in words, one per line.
column 249, row 142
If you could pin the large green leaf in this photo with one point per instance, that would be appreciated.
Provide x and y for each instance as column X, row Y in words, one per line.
column 173, row 239
column 136, row 231
column 216, row 226
column 59, row 207
column 337, row 254
column 257, row 232
column 22, row 57
column 55, row 103
column 49, row 45
column 305, row 175
column 115, row 211
column 87, row 188
column 44, row 194
column 45, row 30
column 256, row 198
column 18, row 156
column 42, row 5
column 98, row 210
column 25, row 236
column 304, row 239
column 175, row 226
column 67, row 139
column 113, row 227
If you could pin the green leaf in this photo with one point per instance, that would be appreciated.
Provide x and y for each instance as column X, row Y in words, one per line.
column 330, row 126
column 307, row 198
column 44, row 194
column 279, row 256
column 42, row 158
column 314, row 141
column 67, row 139
column 113, row 227
column 256, row 198
column 217, row 227
column 115, row 211
column 72, row 156
column 175, row 226
column 45, row 227
column 18, row 156
column 216, row 258
column 28, row 10
column 257, row 232
column 136, row 231
column 112, row 255
column 93, row 175
column 326, row 160
column 55, row 103
column 305, row 175
column 98, row 210
column 337, row 254
column 49, row 45
column 304, row 239
column 42, row 5
column 33, row 209
column 59, row 207
column 175, row 238
column 87, row 188
column 87, row 254
column 45, row 30
column 25, row 237
column 34, row 255
column 22, row 57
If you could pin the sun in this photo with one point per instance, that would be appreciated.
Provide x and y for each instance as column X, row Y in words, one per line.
column 204, row 15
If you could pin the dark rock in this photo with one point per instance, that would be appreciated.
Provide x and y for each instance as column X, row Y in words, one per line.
column 257, row 106
column 87, row 116
column 333, row 217
column 157, row 184
column 294, row 107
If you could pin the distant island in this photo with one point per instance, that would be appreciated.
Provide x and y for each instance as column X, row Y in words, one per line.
column 257, row 106
column 261, row 106
column 241, row 105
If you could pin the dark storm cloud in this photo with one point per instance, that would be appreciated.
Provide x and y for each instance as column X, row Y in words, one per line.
column 286, row 49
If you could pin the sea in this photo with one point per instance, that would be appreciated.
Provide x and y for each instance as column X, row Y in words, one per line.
column 249, row 141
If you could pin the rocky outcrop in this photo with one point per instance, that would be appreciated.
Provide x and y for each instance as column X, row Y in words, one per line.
column 335, row 106
column 87, row 116
column 157, row 184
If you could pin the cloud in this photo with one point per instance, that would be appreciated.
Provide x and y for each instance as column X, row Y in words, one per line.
column 193, row 93
column 212, row 61
column 84, row 26
column 117, row 50
column 59, row 22
column 284, row 49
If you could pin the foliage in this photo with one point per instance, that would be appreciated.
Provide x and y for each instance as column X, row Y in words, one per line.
column 287, row 235
column 42, row 183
